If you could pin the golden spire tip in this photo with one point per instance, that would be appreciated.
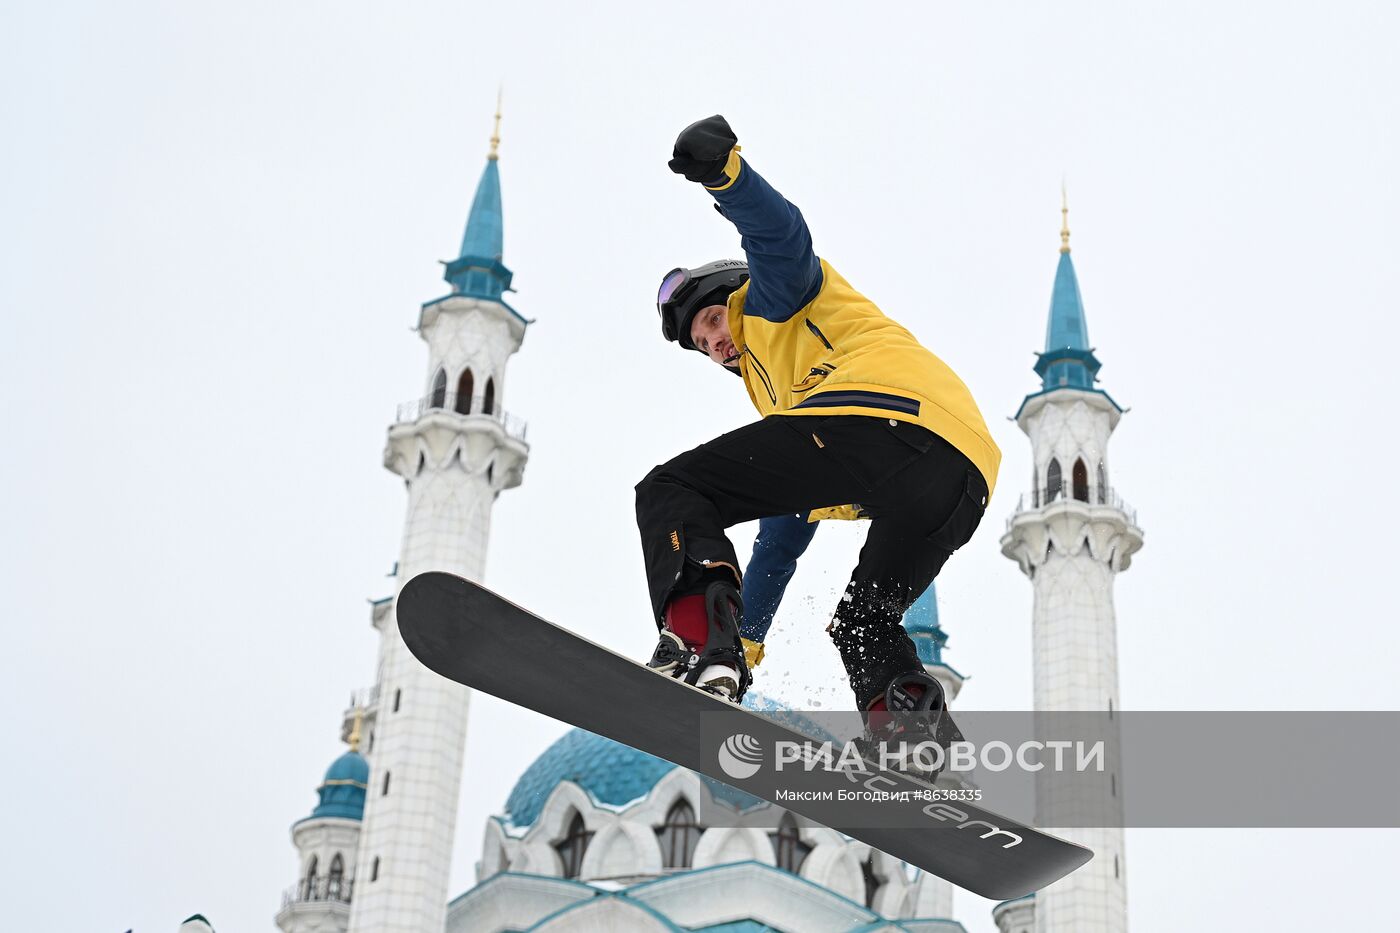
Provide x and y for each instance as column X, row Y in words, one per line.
column 1064, row 215
column 494, row 154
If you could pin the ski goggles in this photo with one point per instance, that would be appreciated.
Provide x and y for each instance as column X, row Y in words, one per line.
column 674, row 287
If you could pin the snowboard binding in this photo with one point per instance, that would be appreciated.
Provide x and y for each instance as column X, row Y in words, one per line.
column 718, row 665
column 914, row 705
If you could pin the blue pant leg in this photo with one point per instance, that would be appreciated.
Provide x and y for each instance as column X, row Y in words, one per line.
column 781, row 541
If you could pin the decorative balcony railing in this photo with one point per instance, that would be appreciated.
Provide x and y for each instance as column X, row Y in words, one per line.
column 364, row 698
column 474, row 407
column 1090, row 496
column 318, row 890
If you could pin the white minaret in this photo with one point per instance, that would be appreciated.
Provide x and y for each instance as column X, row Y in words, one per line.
column 327, row 842
column 1072, row 535
column 456, row 449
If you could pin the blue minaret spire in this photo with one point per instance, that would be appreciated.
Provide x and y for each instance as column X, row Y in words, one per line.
column 478, row 272
column 1068, row 360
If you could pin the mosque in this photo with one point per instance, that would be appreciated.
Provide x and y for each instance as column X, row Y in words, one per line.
column 596, row 836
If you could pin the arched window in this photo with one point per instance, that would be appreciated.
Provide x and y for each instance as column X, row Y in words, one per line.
column 334, row 879
column 464, row 393
column 1103, row 486
column 679, row 836
column 1080, row 479
column 309, row 885
column 573, row 846
column 788, row 847
column 872, row 880
column 1052, row 482
column 488, row 398
column 439, row 396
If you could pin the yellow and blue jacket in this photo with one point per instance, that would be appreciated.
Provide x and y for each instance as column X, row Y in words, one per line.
column 810, row 344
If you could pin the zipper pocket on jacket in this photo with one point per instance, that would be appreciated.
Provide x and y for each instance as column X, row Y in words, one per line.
column 762, row 375
column 816, row 332
column 815, row 377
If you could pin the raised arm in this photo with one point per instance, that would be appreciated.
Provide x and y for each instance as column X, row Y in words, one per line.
column 784, row 273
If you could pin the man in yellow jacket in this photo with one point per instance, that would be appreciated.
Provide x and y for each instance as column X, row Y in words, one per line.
column 854, row 410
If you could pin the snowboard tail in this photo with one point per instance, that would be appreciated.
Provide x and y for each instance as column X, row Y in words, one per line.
column 468, row 634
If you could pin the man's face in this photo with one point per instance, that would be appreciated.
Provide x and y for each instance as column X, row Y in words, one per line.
column 710, row 332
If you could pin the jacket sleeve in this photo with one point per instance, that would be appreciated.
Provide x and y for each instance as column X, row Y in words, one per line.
column 784, row 272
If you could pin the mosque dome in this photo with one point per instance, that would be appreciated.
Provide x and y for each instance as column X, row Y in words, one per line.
column 614, row 774
column 349, row 767
column 343, row 790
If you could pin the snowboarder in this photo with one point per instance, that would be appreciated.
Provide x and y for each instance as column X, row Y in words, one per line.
column 854, row 409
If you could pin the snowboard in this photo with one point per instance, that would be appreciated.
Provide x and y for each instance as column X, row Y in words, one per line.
column 468, row 634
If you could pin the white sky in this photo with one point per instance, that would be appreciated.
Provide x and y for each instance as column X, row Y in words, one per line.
column 219, row 221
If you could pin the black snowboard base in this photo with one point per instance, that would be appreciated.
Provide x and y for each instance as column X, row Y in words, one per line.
column 468, row 634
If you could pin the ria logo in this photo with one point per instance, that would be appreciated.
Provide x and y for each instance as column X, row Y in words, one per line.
column 740, row 756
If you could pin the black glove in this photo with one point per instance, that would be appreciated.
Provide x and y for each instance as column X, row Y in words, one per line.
column 702, row 149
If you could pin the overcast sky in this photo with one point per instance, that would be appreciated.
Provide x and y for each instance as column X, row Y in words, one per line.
column 219, row 220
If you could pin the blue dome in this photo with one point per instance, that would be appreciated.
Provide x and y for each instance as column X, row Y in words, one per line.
column 613, row 774
column 349, row 767
column 343, row 790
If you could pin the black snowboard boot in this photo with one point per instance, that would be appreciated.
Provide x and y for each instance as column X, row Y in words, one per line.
column 908, row 714
column 700, row 642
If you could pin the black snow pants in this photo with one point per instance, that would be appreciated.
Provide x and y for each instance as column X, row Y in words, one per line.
column 923, row 496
